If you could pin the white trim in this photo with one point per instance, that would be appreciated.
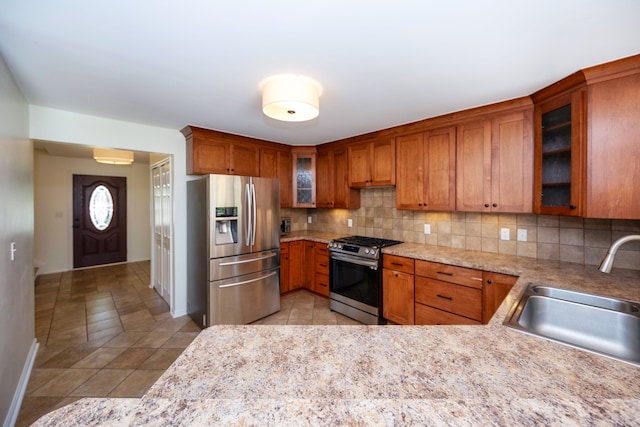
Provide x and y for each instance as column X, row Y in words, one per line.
column 16, row 402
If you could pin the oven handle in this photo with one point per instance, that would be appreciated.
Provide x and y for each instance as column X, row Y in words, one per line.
column 372, row 264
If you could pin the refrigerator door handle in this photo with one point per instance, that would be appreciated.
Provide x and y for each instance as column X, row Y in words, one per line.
column 248, row 281
column 249, row 231
column 223, row 264
column 253, row 197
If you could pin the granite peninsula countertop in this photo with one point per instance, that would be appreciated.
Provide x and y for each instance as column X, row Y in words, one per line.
column 391, row 375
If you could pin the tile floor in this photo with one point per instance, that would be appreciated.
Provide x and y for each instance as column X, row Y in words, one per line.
column 104, row 332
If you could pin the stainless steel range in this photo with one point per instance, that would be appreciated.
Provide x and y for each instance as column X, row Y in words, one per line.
column 355, row 281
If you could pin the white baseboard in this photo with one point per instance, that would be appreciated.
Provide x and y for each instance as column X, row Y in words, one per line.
column 16, row 402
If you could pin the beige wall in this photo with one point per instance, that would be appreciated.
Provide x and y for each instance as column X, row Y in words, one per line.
column 17, row 344
column 53, row 248
column 579, row 240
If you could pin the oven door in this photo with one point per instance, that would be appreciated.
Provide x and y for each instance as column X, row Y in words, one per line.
column 356, row 282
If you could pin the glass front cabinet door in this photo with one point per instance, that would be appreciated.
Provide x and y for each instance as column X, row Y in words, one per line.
column 559, row 136
column 304, row 177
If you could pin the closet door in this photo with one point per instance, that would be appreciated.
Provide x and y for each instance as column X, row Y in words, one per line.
column 162, row 253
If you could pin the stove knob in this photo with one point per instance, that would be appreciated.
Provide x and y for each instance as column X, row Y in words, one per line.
column 332, row 245
column 366, row 251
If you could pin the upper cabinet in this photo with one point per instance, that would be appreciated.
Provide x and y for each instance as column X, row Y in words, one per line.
column 215, row 152
column 372, row 164
column 426, row 170
column 494, row 164
column 332, row 190
column 276, row 163
column 587, row 137
column 304, row 177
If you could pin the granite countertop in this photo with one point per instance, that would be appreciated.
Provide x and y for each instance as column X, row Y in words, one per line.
column 391, row 375
column 314, row 236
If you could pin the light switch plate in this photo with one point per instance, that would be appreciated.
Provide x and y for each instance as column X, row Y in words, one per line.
column 309, row 219
column 504, row 234
column 427, row 229
column 349, row 222
column 522, row 235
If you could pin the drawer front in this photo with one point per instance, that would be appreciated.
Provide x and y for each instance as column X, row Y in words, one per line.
column 456, row 299
column 426, row 315
column 322, row 264
column 321, row 249
column 450, row 273
column 321, row 284
column 398, row 263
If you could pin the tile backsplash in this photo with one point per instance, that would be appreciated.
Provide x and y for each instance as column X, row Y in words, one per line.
column 578, row 240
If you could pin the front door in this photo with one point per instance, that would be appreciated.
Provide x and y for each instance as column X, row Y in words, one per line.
column 99, row 220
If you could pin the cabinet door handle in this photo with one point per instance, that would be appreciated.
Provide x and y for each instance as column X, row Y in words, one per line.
column 323, row 265
column 397, row 263
column 489, row 281
column 444, row 297
column 572, row 206
column 486, row 205
column 495, row 205
column 444, row 273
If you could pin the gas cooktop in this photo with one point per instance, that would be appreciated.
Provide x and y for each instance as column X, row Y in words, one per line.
column 372, row 242
column 362, row 246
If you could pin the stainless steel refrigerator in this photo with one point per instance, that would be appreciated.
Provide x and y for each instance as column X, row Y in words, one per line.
column 233, row 249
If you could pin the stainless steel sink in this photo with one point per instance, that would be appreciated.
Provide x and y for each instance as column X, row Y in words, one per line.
column 602, row 325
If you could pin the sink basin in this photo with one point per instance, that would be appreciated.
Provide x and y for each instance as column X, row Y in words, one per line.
column 602, row 325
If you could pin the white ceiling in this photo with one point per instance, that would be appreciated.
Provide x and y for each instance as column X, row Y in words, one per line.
column 381, row 63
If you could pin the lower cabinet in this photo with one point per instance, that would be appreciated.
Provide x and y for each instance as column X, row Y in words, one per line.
column 291, row 266
column 284, row 267
column 397, row 289
column 321, row 269
column 430, row 293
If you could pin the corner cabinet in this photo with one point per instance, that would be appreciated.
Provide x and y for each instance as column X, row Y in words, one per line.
column 426, row 172
column 372, row 164
column 304, row 177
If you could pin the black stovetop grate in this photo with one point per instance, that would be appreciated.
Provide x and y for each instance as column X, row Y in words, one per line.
column 367, row 241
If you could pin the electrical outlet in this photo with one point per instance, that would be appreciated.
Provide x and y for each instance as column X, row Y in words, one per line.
column 13, row 251
column 309, row 220
column 522, row 235
column 427, row 229
column 504, row 234
column 349, row 222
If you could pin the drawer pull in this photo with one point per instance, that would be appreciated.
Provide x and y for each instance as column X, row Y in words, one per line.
column 323, row 265
column 397, row 263
column 445, row 274
column 444, row 297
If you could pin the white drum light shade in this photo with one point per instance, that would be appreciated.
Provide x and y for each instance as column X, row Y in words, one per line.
column 291, row 98
column 113, row 157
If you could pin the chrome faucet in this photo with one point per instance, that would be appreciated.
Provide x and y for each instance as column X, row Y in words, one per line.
column 607, row 261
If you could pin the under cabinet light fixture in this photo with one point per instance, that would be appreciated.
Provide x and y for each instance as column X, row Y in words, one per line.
column 113, row 157
column 291, row 98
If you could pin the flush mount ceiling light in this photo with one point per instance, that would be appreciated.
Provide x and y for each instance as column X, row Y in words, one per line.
column 291, row 98
column 113, row 157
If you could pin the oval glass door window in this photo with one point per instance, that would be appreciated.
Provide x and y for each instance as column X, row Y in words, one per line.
column 101, row 207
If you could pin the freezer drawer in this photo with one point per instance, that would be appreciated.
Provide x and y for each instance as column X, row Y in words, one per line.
column 244, row 299
column 224, row 268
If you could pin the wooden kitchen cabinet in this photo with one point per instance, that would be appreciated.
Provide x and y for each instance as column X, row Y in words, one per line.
column 495, row 288
column 276, row 163
column 309, row 264
column 372, row 164
column 332, row 189
column 398, row 289
column 284, row 267
column 454, row 291
column 215, row 152
column 321, row 269
column 587, row 150
column 558, row 155
column 494, row 169
column 296, row 265
column 426, row 172
column 304, row 177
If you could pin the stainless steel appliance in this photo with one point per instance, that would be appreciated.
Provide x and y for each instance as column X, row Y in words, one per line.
column 233, row 249
column 355, row 277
